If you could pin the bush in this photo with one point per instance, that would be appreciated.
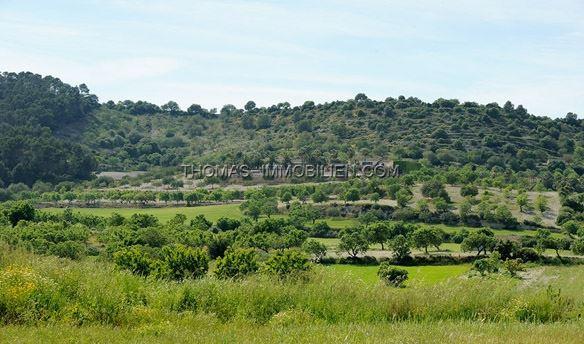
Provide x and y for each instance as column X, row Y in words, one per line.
column 227, row 224
column 527, row 254
column 134, row 259
column 392, row 275
column 237, row 263
column 286, row 263
column 321, row 229
column 469, row 190
column 486, row 266
column 68, row 249
column 181, row 262
column 512, row 266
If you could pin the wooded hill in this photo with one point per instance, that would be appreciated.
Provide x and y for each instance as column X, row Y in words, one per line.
column 53, row 131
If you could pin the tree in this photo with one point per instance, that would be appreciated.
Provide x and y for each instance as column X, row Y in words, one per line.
column 545, row 240
column 195, row 109
column 481, row 241
column 193, row 197
column 315, row 248
column 434, row 189
column 469, row 190
column 572, row 228
column 424, row 237
column 171, row 108
column 134, row 259
column 464, row 209
column 250, row 105
column 379, row 232
column 403, row 197
column 503, row 215
column 351, row 195
column 286, row 197
column 178, row 220
column 441, row 205
column 353, row 240
column 319, row 197
column 18, row 211
column 522, row 201
column 541, row 203
column 400, row 247
column 486, row 265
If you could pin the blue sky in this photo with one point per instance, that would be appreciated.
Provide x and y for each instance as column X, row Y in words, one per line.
column 219, row 52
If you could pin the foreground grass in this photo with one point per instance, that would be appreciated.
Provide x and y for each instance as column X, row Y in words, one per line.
column 205, row 329
column 54, row 300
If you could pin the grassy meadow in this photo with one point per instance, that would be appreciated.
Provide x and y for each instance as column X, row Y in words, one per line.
column 92, row 301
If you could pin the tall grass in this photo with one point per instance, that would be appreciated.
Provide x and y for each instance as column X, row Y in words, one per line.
column 37, row 290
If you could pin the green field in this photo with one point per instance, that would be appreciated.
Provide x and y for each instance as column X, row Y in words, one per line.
column 428, row 274
column 211, row 212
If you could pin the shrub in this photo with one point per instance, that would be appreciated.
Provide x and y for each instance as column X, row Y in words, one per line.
column 469, row 190
column 134, row 259
column 392, row 275
column 68, row 249
column 227, row 224
column 321, row 229
column 286, row 263
column 578, row 246
column 181, row 262
column 485, row 266
column 237, row 263
column 512, row 266
column 527, row 254
column 143, row 220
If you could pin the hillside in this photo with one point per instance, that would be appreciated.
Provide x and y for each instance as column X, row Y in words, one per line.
column 445, row 132
column 47, row 126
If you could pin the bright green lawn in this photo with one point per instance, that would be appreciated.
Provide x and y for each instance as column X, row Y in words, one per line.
column 428, row 274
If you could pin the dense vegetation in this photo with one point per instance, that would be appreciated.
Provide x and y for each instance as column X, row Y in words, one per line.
column 36, row 114
column 445, row 132
column 42, row 117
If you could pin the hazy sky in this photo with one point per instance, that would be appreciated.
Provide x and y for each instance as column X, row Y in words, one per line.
column 218, row 52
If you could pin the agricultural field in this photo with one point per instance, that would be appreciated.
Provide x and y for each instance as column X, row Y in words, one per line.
column 211, row 212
